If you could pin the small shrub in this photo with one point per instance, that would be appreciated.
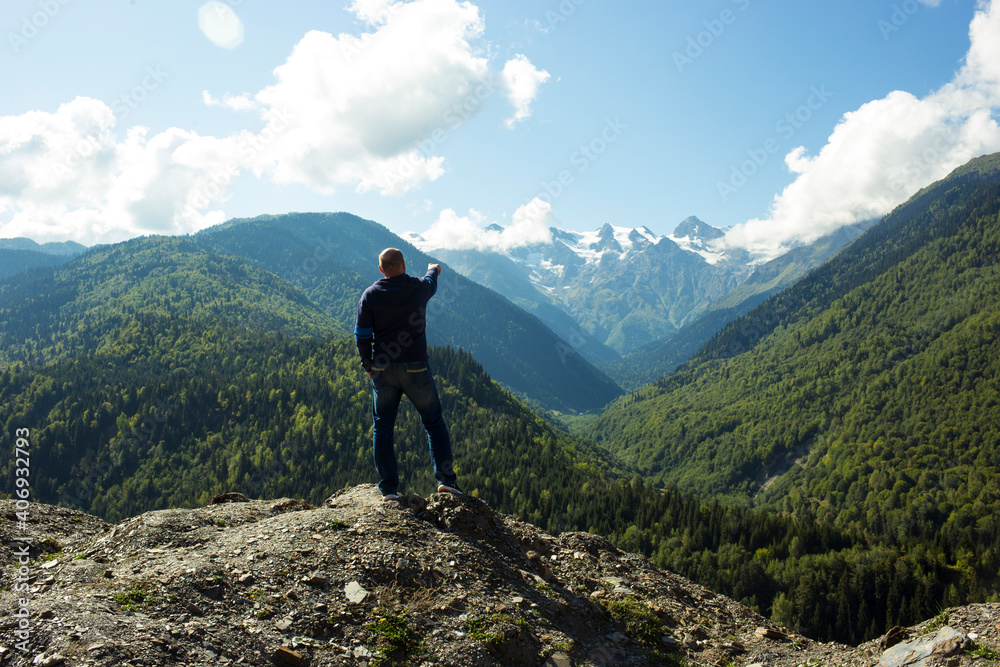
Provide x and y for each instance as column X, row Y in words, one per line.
column 480, row 630
column 939, row 622
column 986, row 653
column 565, row 647
column 395, row 640
column 639, row 621
column 143, row 593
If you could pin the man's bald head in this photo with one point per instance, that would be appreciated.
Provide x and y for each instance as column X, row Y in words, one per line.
column 391, row 262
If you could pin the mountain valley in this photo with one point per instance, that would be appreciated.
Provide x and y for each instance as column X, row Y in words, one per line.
column 828, row 459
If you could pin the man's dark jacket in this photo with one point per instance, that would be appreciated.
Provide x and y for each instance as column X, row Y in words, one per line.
column 392, row 318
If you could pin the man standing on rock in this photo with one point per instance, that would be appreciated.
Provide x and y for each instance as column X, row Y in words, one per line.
column 390, row 333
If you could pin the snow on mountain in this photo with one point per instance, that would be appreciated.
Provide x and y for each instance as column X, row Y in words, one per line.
column 695, row 236
column 570, row 251
column 621, row 286
column 592, row 247
column 613, row 290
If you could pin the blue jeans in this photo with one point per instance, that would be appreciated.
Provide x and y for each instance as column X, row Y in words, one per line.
column 389, row 384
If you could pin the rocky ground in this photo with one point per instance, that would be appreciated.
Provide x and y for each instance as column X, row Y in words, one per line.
column 438, row 581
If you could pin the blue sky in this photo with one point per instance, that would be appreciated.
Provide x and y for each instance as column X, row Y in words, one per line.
column 784, row 120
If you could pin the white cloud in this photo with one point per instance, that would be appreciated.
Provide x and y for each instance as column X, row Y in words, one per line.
column 530, row 224
column 522, row 80
column 371, row 111
column 368, row 112
column 982, row 64
column 362, row 106
column 235, row 102
column 375, row 12
column 454, row 232
column 882, row 153
column 68, row 174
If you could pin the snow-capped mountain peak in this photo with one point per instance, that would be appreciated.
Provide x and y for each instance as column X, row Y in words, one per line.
column 700, row 238
column 692, row 227
column 613, row 289
column 624, row 285
column 592, row 247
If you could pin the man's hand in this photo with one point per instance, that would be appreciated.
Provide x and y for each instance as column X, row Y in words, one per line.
column 434, row 266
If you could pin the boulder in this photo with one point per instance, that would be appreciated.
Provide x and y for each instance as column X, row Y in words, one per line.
column 917, row 653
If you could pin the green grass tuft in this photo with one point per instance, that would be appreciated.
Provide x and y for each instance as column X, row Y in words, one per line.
column 396, row 641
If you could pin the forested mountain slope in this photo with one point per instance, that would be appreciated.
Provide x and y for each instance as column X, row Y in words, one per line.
column 79, row 307
column 206, row 408
column 333, row 257
column 155, row 371
column 16, row 261
column 878, row 374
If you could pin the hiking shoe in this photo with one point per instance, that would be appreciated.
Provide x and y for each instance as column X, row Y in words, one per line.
column 450, row 488
column 390, row 496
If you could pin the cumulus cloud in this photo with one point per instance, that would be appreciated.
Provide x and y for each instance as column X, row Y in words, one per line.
column 68, row 174
column 883, row 152
column 372, row 110
column 364, row 104
column 521, row 80
column 530, row 224
column 368, row 112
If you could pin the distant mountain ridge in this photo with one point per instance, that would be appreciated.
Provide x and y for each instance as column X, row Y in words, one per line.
column 20, row 254
column 618, row 293
column 620, row 287
column 98, row 300
column 68, row 248
column 694, row 228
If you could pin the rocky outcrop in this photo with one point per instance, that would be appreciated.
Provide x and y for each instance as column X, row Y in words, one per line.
column 438, row 581
column 958, row 636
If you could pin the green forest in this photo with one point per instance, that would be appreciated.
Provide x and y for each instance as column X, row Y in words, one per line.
column 829, row 459
column 209, row 408
column 874, row 381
